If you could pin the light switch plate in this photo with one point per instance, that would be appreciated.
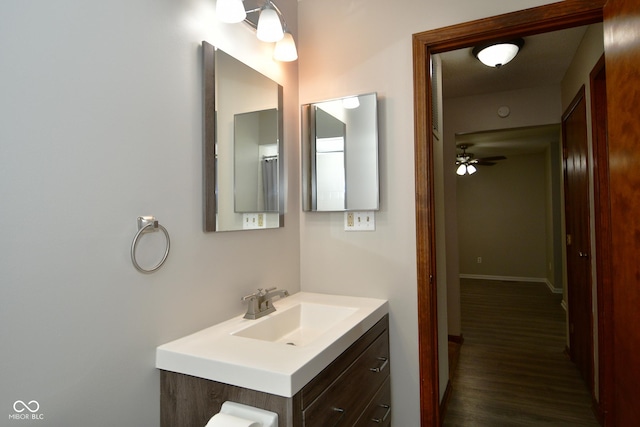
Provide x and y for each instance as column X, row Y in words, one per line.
column 253, row 221
column 360, row 221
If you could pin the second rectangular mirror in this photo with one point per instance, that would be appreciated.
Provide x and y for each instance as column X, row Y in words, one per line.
column 340, row 154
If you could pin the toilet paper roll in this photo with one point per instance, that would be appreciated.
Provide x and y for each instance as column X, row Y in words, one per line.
column 226, row 420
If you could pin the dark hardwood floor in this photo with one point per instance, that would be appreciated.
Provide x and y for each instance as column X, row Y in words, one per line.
column 512, row 369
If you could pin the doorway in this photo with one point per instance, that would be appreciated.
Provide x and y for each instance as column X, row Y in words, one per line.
column 553, row 17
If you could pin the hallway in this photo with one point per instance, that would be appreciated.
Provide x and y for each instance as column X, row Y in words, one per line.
column 512, row 369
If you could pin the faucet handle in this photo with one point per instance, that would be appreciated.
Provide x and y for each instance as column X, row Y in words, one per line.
column 251, row 296
column 260, row 293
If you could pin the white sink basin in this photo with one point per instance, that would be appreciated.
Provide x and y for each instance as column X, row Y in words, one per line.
column 298, row 325
column 254, row 353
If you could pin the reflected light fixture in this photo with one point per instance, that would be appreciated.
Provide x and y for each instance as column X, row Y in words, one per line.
column 498, row 54
column 270, row 26
column 351, row 103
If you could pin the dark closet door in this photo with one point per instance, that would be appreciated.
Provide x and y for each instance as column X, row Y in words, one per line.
column 576, row 194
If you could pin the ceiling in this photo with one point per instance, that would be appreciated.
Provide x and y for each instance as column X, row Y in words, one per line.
column 509, row 142
column 542, row 61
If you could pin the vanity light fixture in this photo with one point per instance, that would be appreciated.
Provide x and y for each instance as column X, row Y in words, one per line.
column 498, row 54
column 285, row 50
column 270, row 25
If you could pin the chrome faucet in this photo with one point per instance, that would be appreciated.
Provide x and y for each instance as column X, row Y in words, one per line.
column 260, row 303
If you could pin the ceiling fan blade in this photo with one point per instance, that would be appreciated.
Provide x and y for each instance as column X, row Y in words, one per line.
column 493, row 158
column 484, row 163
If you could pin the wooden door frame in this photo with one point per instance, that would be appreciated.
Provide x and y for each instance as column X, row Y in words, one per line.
column 602, row 202
column 552, row 17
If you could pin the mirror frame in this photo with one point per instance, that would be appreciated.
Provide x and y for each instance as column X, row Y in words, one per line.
column 210, row 181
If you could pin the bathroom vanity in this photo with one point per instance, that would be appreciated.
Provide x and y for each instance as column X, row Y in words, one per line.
column 338, row 377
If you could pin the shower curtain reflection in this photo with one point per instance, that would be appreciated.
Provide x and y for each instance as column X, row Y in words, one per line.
column 270, row 182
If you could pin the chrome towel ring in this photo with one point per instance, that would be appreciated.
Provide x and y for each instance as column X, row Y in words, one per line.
column 148, row 224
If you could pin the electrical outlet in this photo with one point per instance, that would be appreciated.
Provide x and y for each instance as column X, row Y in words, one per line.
column 348, row 220
column 359, row 221
column 479, row 260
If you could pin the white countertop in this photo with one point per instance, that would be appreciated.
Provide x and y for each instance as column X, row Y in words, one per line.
column 215, row 354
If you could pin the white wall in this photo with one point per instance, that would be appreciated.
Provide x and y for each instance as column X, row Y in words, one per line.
column 502, row 219
column 101, row 112
column 347, row 48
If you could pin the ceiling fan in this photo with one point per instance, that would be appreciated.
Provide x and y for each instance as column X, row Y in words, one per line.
column 467, row 163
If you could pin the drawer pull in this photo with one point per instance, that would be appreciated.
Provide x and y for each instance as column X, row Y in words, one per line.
column 384, row 417
column 381, row 367
column 339, row 419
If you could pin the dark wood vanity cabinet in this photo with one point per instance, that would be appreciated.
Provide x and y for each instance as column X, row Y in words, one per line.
column 354, row 390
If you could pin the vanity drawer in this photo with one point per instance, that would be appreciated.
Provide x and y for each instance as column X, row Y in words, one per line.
column 378, row 413
column 342, row 403
column 330, row 374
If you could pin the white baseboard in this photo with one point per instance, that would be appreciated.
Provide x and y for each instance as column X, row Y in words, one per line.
column 514, row 279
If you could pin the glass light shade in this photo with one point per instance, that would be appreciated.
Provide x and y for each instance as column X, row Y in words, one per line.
column 498, row 54
column 285, row 49
column 351, row 103
column 462, row 169
column 471, row 169
column 269, row 26
column 230, row 11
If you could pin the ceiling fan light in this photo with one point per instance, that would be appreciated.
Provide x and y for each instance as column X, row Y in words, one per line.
column 230, row 11
column 462, row 169
column 498, row 54
column 269, row 26
column 471, row 169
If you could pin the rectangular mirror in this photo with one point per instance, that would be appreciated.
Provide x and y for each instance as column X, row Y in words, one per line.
column 340, row 155
column 243, row 165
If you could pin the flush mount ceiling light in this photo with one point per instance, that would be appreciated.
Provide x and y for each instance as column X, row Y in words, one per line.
column 270, row 25
column 499, row 53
